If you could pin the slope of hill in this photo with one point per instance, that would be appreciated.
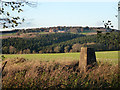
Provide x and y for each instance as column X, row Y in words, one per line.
column 60, row 43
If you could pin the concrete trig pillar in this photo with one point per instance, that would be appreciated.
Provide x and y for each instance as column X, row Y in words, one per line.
column 87, row 57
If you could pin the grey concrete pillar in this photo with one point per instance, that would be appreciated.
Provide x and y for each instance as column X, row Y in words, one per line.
column 87, row 58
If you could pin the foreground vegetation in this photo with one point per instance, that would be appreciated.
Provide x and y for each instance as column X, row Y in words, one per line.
column 53, row 71
column 23, row 73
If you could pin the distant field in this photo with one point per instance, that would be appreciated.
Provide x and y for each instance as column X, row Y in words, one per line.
column 46, row 32
column 8, row 34
column 106, row 56
column 2, row 36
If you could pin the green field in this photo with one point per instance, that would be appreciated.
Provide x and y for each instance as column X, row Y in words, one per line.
column 106, row 56
column 8, row 34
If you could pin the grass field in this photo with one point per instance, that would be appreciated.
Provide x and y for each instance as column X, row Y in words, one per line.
column 8, row 34
column 106, row 56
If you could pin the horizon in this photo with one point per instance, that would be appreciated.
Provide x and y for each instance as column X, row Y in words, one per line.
column 46, row 27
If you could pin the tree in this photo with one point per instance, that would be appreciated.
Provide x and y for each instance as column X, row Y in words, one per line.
column 108, row 25
column 102, row 38
column 20, row 52
column 26, row 51
column 12, row 50
column 76, row 47
column 5, row 50
column 33, row 52
column 57, row 49
column 66, row 49
column 16, row 6
column 49, row 50
column 40, row 52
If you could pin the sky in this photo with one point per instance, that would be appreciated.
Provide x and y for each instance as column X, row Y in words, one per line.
column 50, row 13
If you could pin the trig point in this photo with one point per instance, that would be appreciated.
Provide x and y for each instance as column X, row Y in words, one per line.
column 87, row 57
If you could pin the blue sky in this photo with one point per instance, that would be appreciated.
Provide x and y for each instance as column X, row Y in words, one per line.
column 48, row 14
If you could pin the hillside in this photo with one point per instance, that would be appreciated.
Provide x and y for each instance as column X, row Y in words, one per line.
column 58, row 29
column 60, row 43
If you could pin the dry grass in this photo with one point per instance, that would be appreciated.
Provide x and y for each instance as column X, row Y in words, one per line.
column 22, row 73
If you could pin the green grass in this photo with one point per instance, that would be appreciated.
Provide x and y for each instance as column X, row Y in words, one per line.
column 106, row 56
column 86, row 32
column 9, row 34
column 46, row 32
column 47, row 57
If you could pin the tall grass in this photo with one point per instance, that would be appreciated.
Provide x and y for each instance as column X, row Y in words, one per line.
column 23, row 73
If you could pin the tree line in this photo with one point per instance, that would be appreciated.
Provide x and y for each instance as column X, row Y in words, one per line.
column 60, row 43
column 34, row 44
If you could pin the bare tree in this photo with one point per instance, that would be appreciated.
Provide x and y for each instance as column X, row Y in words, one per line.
column 108, row 25
column 6, row 18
